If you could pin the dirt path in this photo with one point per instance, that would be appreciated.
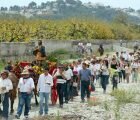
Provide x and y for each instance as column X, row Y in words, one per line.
column 88, row 111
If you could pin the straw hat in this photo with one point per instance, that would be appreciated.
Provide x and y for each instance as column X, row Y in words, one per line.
column 25, row 72
column 87, row 62
column 5, row 72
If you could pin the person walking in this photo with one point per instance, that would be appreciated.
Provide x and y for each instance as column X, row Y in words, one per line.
column 135, row 66
column 127, row 72
column 61, row 80
column 85, row 78
column 68, row 74
column 5, row 87
column 115, row 80
column 101, row 50
column 45, row 83
column 9, row 66
column 25, row 86
column 104, row 76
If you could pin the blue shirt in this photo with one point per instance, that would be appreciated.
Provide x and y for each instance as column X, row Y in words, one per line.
column 85, row 74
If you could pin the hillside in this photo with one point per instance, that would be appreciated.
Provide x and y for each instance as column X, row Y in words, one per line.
column 64, row 9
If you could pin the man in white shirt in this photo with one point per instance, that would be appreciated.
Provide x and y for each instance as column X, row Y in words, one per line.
column 88, row 48
column 45, row 83
column 68, row 74
column 5, row 87
column 125, row 55
column 79, row 65
column 25, row 86
column 93, row 70
column 97, row 68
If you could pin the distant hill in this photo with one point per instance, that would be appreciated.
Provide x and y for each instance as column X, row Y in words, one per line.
column 63, row 9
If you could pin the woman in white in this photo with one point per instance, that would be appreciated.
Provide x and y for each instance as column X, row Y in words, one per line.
column 134, row 67
column 61, row 80
column 127, row 72
column 5, row 87
column 104, row 76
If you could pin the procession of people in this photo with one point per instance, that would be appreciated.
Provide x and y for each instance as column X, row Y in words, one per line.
column 63, row 82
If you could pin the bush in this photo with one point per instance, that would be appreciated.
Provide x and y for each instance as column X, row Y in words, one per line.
column 2, row 63
column 57, row 55
column 122, row 96
column 75, row 29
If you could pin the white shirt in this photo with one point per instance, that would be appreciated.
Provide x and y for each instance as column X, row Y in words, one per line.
column 68, row 74
column 26, row 85
column 6, row 83
column 105, row 70
column 62, row 81
column 88, row 45
column 125, row 56
column 92, row 69
column 97, row 67
column 131, row 57
column 42, row 83
column 134, row 65
column 79, row 68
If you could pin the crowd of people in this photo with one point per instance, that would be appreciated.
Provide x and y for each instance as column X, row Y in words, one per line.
column 84, row 48
column 65, row 80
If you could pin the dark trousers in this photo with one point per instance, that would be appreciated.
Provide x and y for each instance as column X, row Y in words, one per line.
column 120, row 76
column 115, row 85
column 123, row 74
column 85, row 89
column 60, row 91
column 104, row 81
column 24, row 99
column 5, row 104
column 67, row 90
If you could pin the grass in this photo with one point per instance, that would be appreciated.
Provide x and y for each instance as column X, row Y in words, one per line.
column 93, row 101
column 62, row 55
column 123, row 96
column 1, row 65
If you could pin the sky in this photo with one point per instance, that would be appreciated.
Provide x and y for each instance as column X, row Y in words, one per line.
column 114, row 3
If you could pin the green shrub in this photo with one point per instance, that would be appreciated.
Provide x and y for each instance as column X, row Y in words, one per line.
column 59, row 52
column 57, row 55
column 106, row 106
column 122, row 96
column 2, row 63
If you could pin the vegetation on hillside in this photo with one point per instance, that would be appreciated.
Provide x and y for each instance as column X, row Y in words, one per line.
column 64, row 9
column 21, row 30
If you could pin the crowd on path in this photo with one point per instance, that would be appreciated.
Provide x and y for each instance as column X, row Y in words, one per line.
column 64, row 81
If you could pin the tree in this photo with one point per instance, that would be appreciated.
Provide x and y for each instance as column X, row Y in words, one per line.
column 71, row 1
column 32, row 5
column 78, row 3
column 60, row 2
column 3, row 8
column 138, row 11
column 43, row 5
column 130, row 9
column 121, row 17
column 15, row 8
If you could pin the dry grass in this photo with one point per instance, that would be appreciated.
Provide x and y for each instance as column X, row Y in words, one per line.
column 123, row 96
column 93, row 101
